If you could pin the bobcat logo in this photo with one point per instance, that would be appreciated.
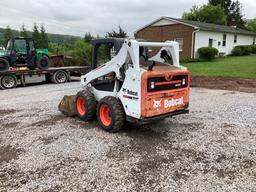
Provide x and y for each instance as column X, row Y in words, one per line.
column 157, row 104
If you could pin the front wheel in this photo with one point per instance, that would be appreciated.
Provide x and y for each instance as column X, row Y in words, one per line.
column 85, row 105
column 110, row 114
column 8, row 81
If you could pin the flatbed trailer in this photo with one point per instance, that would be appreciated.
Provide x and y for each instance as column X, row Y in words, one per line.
column 11, row 78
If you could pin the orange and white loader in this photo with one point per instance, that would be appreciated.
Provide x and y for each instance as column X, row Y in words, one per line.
column 134, row 85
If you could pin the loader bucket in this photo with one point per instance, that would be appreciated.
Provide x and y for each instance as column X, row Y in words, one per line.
column 67, row 106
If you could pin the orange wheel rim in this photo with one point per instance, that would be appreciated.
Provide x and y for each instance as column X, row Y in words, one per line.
column 80, row 106
column 105, row 115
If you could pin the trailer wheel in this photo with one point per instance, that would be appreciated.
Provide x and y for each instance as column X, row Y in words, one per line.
column 110, row 114
column 85, row 105
column 43, row 62
column 8, row 81
column 4, row 65
column 59, row 77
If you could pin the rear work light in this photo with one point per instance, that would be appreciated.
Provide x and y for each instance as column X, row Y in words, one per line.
column 152, row 85
column 183, row 82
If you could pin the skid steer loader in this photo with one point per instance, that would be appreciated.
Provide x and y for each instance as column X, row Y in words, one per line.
column 135, row 85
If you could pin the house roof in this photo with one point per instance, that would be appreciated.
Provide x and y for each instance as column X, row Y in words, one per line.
column 206, row 26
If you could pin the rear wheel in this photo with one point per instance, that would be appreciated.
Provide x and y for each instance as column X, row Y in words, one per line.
column 110, row 114
column 60, row 77
column 8, row 81
column 4, row 65
column 85, row 105
column 43, row 62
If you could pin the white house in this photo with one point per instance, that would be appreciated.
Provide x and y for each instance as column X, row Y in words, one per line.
column 193, row 34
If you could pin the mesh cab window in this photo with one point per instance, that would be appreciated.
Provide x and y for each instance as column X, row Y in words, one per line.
column 20, row 46
column 105, row 53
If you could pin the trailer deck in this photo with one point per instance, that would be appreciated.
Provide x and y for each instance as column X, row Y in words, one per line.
column 10, row 79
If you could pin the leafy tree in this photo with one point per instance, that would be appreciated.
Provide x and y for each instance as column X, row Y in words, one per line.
column 118, row 34
column 88, row 37
column 7, row 34
column 251, row 24
column 206, row 13
column 23, row 31
column 233, row 11
column 44, row 42
column 82, row 52
column 36, row 35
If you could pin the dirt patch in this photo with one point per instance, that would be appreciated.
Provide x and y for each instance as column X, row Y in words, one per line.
column 5, row 112
column 48, row 122
column 145, row 144
column 226, row 83
column 48, row 140
column 7, row 153
column 10, row 125
column 12, row 177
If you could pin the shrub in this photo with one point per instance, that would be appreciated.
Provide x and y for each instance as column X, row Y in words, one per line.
column 237, row 51
column 247, row 50
column 253, row 47
column 241, row 50
column 207, row 53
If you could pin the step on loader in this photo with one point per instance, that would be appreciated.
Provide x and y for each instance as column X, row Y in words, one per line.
column 138, row 82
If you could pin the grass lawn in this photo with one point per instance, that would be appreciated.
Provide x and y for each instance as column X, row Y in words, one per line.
column 243, row 66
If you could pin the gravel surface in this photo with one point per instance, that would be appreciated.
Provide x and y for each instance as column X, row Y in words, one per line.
column 213, row 148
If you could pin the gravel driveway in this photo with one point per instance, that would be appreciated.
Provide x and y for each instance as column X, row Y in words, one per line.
column 213, row 148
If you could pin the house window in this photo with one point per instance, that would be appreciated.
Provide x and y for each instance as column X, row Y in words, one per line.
column 210, row 42
column 180, row 41
column 235, row 38
column 224, row 40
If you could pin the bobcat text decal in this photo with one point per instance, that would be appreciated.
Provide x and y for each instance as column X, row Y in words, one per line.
column 168, row 103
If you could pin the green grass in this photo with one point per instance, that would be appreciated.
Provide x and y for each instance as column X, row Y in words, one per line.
column 243, row 66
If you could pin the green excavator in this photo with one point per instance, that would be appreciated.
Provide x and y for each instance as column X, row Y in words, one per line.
column 21, row 52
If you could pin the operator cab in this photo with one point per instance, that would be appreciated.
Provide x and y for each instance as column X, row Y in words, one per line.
column 20, row 49
column 104, row 50
column 107, row 48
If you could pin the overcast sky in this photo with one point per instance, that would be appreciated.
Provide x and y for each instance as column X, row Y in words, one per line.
column 76, row 17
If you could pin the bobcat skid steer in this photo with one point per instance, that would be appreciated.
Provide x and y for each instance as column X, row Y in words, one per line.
column 134, row 85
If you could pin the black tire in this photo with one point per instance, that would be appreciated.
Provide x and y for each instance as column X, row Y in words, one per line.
column 88, row 104
column 59, row 77
column 8, row 81
column 43, row 62
column 4, row 65
column 116, row 113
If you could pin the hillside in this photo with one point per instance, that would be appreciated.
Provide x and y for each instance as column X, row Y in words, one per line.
column 53, row 38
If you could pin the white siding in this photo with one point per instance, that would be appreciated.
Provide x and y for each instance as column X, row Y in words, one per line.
column 202, row 40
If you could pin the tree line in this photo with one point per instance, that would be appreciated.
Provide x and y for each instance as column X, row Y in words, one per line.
column 39, row 35
column 223, row 12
